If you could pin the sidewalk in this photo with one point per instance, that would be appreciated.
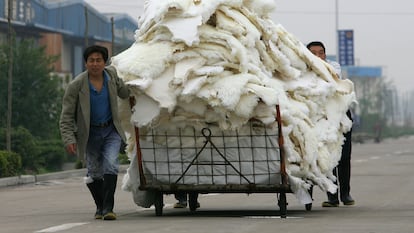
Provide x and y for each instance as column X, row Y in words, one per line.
column 28, row 179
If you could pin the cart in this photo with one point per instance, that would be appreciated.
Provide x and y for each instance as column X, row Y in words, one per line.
column 208, row 160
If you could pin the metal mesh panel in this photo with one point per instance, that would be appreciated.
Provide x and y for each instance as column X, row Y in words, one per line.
column 210, row 156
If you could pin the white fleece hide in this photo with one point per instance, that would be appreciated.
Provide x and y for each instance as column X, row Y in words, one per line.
column 135, row 64
column 160, row 90
column 184, row 67
column 188, row 34
column 262, row 8
column 224, row 62
column 144, row 111
column 192, row 87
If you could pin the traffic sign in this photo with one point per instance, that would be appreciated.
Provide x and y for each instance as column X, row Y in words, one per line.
column 346, row 47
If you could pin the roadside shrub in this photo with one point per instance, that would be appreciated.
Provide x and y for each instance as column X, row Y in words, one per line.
column 123, row 159
column 78, row 164
column 10, row 164
column 51, row 155
column 37, row 156
column 24, row 144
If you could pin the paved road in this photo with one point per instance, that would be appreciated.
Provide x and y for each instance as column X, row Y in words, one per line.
column 382, row 185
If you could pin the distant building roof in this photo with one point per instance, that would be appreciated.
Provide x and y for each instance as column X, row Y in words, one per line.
column 363, row 71
column 120, row 16
column 69, row 17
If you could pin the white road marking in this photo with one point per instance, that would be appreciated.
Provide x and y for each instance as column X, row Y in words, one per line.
column 153, row 207
column 360, row 160
column 62, row 227
column 379, row 157
column 402, row 152
column 209, row 194
column 263, row 217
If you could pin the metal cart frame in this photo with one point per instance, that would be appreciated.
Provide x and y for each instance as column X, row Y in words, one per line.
column 193, row 190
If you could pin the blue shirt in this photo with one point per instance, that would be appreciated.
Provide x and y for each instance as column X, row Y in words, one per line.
column 100, row 105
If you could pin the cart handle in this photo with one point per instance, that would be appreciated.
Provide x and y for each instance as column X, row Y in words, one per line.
column 281, row 146
column 142, row 179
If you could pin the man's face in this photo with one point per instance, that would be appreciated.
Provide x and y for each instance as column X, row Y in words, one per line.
column 95, row 64
column 318, row 51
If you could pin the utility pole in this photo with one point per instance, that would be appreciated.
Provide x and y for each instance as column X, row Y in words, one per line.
column 336, row 29
column 10, row 38
column 113, row 36
column 86, row 27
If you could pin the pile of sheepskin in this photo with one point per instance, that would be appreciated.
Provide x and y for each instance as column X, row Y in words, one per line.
column 226, row 62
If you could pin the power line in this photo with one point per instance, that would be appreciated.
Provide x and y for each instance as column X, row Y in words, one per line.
column 346, row 13
column 118, row 5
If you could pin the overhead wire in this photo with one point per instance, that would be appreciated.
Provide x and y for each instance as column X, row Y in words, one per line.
column 346, row 13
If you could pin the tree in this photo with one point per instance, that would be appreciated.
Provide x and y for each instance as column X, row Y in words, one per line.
column 36, row 94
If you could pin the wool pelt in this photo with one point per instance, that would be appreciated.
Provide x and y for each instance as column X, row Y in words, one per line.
column 225, row 62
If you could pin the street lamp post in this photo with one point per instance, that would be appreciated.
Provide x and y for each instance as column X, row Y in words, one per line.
column 336, row 29
column 10, row 74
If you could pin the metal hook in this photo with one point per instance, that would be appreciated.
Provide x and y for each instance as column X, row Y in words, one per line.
column 206, row 132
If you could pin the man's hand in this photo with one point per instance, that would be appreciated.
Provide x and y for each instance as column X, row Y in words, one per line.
column 71, row 148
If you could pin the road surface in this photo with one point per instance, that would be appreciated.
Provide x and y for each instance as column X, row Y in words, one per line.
column 382, row 186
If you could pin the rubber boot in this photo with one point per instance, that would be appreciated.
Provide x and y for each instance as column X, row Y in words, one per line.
column 109, row 186
column 96, row 189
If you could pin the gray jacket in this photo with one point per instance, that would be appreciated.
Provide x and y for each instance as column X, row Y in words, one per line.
column 75, row 117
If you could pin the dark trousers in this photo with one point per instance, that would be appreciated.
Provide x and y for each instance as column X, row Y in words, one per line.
column 344, row 167
column 343, row 170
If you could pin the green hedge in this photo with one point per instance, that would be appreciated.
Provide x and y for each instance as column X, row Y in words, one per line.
column 10, row 164
column 37, row 155
column 51, row 155
column 24, row 144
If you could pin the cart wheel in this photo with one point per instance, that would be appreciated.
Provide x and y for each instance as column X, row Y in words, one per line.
column 192, row 201
column 282, row 204
column 309, row 205
column 159, row 203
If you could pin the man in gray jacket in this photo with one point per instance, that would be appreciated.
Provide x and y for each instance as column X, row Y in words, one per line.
column 90, row 126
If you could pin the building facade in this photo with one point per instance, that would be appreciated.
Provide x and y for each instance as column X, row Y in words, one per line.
column 65, row 28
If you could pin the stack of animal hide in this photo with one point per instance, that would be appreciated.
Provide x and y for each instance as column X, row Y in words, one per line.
column 226, row 62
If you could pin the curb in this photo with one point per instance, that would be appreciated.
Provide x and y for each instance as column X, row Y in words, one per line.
column 30, row 179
